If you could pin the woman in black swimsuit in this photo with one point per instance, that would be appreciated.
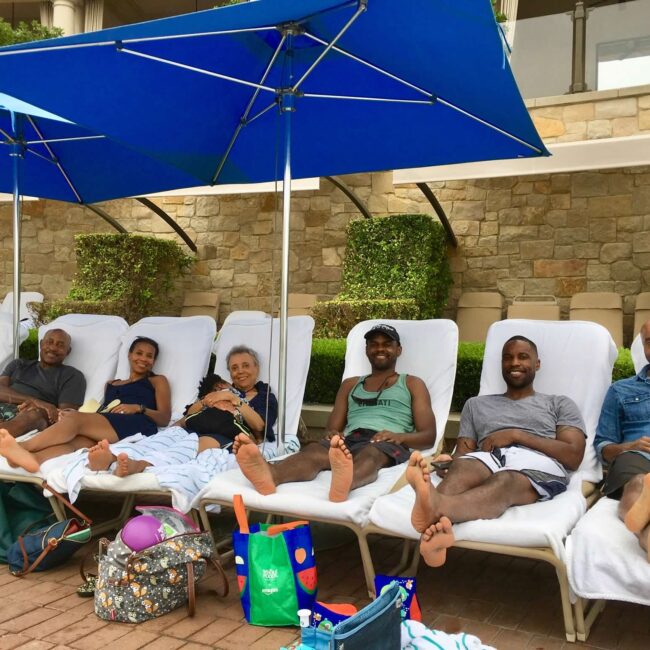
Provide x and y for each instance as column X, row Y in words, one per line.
column 144, row 405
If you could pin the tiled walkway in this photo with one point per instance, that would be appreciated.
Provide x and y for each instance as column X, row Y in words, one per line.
column 509, row 603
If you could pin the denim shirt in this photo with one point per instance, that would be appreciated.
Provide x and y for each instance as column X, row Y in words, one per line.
column 625, row 415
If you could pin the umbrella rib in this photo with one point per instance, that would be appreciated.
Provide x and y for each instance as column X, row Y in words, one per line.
column 264, row 110
column 360, row 9
column 372, row 99
column 209, row 73
column 244, row 118
column 76, row 139
column 54, row 158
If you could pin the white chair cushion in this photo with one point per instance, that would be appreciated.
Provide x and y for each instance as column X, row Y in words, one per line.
column 604, row 558
column 638, row 356
column 7, row 338
column 185, row 345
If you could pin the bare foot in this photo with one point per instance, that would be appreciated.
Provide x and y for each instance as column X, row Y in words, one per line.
column 100, row 457
column 253, row 465
column 638, row 516
column 435, row 541
column 342, row 466
column 425, row 507
column 15, row 454
column 127, row 466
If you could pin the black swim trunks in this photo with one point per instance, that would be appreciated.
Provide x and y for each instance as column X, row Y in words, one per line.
column 358, row 439
column 624, row 468
column 7, row 411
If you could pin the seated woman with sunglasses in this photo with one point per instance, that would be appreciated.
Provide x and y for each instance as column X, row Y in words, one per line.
column 374, row 422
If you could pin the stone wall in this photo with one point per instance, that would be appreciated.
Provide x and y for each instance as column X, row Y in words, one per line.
column 549, row 234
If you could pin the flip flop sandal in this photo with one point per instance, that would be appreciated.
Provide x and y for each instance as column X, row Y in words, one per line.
column 87, row 589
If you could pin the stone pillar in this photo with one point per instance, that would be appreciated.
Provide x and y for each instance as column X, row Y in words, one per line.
column 94, row 17
column 46, row 13
column 64, row 15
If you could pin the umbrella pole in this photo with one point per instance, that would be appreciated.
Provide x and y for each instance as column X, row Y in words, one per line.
column 16, row 155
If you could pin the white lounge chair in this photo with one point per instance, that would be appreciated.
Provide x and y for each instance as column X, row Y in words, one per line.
column 429, row 351
column 96, row 341
column 7, row 338
column 7, row 306
column 576, row 360
column 605, row 561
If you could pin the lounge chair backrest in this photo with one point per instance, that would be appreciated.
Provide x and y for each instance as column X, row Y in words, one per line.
column 264, row 337
column 7, row 306
column 641, row 311
column 185, row 345
column 7, row 338
column 201, row 303
column 429, row 350
column 603, row 307
column 246, row 316
column 96, row 341
column 638, row 356
column 536, row 307
column 476, row 312
column 576, row 360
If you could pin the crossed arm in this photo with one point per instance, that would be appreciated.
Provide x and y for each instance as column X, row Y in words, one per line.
column 11, row 396
column 423, row 418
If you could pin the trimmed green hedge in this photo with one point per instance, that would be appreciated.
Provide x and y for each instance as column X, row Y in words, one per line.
column 328, row 360
column 29, row 347
column 335, row 318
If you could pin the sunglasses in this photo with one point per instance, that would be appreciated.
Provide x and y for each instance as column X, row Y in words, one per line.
column 368, row 401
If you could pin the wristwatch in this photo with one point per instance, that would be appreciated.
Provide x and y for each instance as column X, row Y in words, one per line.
column 143, row 408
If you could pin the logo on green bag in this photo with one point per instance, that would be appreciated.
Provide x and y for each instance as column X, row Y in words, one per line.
column 270, row 574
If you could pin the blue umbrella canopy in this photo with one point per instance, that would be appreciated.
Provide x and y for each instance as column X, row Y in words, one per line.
column 287, row 88
column 405, row 84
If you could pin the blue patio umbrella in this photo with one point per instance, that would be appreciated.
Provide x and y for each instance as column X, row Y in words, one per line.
column 46, row 156
column 285, row 88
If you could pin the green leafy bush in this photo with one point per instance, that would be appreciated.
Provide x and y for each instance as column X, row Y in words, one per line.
column 29, row 347
column 325, row 370
column 623, row 366
column 468, row 373
column 335, row 318
column 399, row 257
column 127, row 275
column 26, row 32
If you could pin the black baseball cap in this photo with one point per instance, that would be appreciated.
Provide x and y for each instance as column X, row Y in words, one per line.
column 382, row 328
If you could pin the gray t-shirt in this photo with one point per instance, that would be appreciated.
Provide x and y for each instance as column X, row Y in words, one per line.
column 538, row 414
column 57, row 385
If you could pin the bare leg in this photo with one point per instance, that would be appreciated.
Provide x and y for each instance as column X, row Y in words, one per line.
column 435, row 541
column 207, row 443
column 486, row 501
column 94, row 426
column 265, row 477
column 26, row 421
column 342, row 469
column 127, row 466
column 16, row 456
column 100, row 457
column 79, row 442
column 464, row 474
column 634, row 509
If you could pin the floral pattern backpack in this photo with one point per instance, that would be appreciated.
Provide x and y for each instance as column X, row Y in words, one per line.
column 133, row 587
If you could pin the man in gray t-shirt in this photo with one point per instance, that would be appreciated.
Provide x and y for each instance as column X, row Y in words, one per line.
column 512, row 449
column 33, row 392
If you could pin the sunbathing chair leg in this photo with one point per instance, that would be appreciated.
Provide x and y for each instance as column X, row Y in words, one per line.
column 117, row 522
column 57, row 508
column 366, row 560
column 205, row 521
column 567, row 608
column 586, row 613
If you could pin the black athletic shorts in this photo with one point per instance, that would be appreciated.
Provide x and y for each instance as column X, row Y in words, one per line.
column 624, row 468
column 358, row 439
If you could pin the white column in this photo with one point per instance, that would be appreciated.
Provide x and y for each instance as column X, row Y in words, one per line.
column 94, row 18
column 64, row 15
column 46, row 13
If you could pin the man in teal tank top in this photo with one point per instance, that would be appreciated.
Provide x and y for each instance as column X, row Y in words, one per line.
column 375, row 422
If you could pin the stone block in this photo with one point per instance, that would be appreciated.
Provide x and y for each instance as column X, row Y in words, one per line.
column 223, row 278
column 510, row 217
column 641, row 200
column 462, row 228
column 468, row 210
column 629, row 224
column 623, row 126
column 531, row 250
column 479, row 279
column 627, row 288
column 510, row 288
column 560, row 182
column 538, row 287
column 567, row 287
column 596, row 271
column 489, row 228
column 644, row 120
column 533, row 216
column 588, row 184
column 475, row 193
column 498, row 199
column 331, row 257
column 602, row 230
column 612, row 252
column 625, row 270
column 558, row 268
column 549, row 128
column 564, row 252
column 586, row 250
column 523, row 187
column 458, row 264
column 578, row 112
column 571, row 235
column 560, row 201
column 555, row 218
column 610, row 206
column 496, row 262
column 508, row 248
column 641, row 242
column 522, row 270
column 598, row 129
column 622, row 107
column 642, row 260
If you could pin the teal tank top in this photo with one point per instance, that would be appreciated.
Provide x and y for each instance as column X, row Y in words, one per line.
column 392, row 412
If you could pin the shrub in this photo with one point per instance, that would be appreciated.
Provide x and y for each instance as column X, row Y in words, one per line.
column 25, row 32
column 325, row 370
column 335, row 318
column 399, row 257
column 623, row 366
column 468, row 373
column 126, row 275
column 29, row 347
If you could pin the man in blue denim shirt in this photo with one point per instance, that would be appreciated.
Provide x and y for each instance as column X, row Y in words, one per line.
column 623, row 442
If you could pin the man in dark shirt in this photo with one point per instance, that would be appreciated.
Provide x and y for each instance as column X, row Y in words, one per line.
column 33, row 392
